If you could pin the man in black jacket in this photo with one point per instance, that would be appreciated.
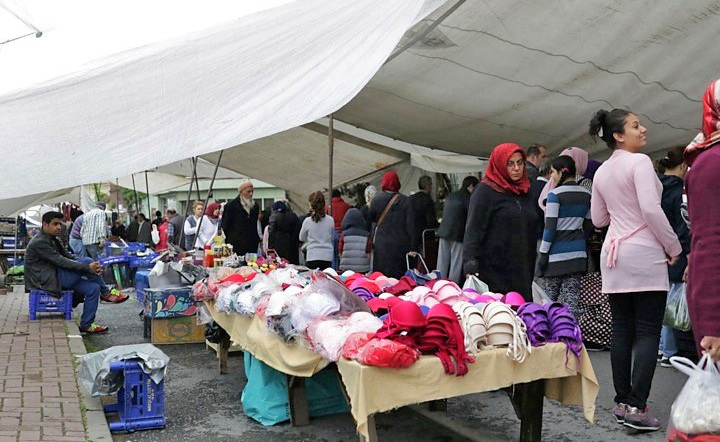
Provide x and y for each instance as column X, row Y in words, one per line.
column 240, row 221
column 423, row 208
column 51, row 268
column 452, row 230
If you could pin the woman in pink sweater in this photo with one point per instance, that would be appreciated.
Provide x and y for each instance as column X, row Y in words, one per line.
column 639, row 245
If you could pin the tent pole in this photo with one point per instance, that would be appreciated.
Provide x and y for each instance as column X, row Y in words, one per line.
column 187, row 207
column 195, row 177
column 331, row 148
column 137, row 207
column 147, row 190
column 207, row 197
column 117, row 197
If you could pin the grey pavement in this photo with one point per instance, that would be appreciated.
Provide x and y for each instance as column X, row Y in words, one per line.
column 40, row 398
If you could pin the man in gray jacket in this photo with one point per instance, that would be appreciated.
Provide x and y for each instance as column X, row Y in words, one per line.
column 452, row 230
column 51, row 268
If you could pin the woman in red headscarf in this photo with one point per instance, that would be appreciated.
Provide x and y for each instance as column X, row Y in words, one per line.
column 703, row 155
column 208, row 226
column 501, row 229
column 392, row 214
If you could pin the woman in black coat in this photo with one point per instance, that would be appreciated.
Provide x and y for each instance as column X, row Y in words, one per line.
column 283, row 232
column 501, row 229
column 393, row 233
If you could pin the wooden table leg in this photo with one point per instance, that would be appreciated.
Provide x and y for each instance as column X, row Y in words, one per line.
column 297, row 399
column 438, row 405
column 223, row 348
column 372, row 431
column 527, row 399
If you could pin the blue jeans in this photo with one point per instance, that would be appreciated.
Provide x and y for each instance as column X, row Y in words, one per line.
column 668, row 348
column 89, row 285
column 93, row 250
column 336, row 253
column 78, row 248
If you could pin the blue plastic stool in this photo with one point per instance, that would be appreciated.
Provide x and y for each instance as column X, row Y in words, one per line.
column 42, row 302
column 140, row 401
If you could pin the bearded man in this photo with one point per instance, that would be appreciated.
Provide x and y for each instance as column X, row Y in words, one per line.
column 240, row 221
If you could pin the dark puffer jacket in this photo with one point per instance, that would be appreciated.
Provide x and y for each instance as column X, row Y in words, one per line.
column 671, row 202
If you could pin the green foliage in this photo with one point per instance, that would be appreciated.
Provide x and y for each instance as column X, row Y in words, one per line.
column 129, row 196
column 356, row 191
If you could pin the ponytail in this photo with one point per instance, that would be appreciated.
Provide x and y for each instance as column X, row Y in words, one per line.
column 604, row 124
column 566, row 166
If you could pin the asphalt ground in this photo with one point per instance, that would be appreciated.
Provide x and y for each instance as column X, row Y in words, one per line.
column 201, row 404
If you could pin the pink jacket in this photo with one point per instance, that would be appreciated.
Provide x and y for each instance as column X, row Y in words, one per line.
column 626, row 195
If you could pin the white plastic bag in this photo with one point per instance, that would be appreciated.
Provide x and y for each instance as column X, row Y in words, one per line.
column 539, row 295
column 473, row 282
column 155, row 235
column 696, row 410
column 676, row 311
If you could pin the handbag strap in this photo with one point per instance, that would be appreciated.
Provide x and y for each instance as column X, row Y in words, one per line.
column 419, row 256
column 385, row 212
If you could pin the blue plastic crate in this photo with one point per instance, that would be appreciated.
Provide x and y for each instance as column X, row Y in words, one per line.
column 142, row 282
column 130, row 248
column 42, row 302
column 142, row 262
column 140, row 401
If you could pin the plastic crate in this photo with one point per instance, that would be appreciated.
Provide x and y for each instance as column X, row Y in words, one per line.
column 122, row 249
column 142, row 262
column 141, row 283
column 140, row 401
column 42, row 302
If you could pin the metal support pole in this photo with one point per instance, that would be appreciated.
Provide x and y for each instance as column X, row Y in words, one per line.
column 147, row 190
column 187, row 206
column 117, row 197
column 331, row 148
column 137, row 201
column 207, row 197
column 195, row 177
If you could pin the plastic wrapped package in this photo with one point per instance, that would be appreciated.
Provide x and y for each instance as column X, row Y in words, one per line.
column 349, row 301
column 327, row 336
column 288, row 276
column 225, row 301
column 695, row 414
column 324, row 297
column 252, row 291
column 201, row 291
column 366, row 350
column 95, row 372
column 277, row 312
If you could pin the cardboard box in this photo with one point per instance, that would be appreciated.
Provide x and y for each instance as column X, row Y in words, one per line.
column 169, row 302
column 181, row 330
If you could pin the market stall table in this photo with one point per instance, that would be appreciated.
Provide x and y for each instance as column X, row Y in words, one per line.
column 4, row 253
column 295, row 361
column 548, row 371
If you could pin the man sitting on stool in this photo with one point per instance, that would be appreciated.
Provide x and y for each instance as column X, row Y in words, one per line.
column 51, row 268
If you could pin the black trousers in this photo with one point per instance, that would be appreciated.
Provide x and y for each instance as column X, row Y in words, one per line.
column 636, row 322
column 322, row 265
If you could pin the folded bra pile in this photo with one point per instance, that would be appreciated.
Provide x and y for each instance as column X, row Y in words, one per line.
column 552, row 322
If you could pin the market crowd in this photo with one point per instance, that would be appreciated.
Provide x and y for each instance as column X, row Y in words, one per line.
column 613, row 240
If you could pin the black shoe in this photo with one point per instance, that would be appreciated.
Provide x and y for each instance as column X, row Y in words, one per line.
column 665, row 362
column 592, row 346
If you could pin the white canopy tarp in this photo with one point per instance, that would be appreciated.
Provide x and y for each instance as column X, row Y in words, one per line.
column 159, row 180
column 152, row 98
column 535, row 72
column 490, row 72
column 297, row 159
